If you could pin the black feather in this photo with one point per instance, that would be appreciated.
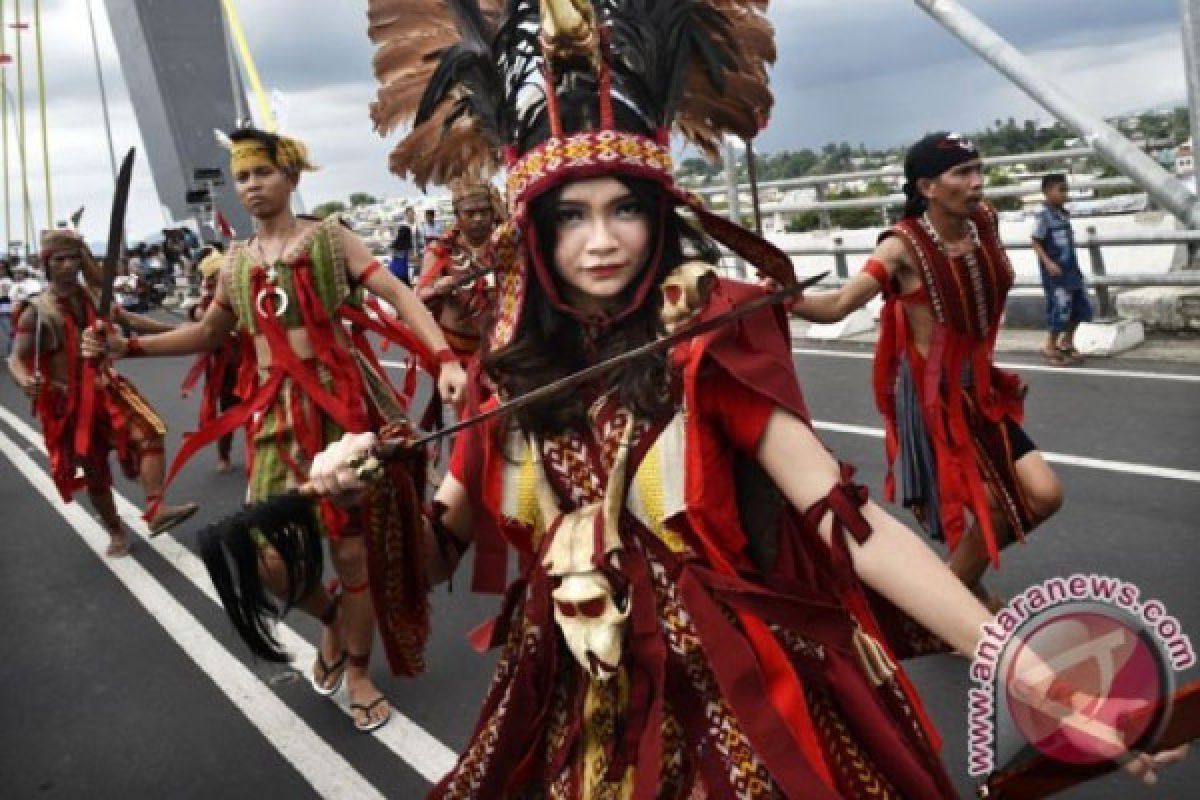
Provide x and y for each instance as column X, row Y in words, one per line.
column 230, row 551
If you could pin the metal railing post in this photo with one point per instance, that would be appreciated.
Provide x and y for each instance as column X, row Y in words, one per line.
column 839, row 259
column 1096, row 254
column 823, row 218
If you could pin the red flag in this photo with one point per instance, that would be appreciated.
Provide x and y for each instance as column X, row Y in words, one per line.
column 223, row 225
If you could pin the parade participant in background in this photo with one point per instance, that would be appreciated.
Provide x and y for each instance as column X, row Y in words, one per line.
column 219, row 367
column 430, row 229
column 84, row 420
column 461, row 308
column 691, row 617
column 953, row 418
column 1067, row 302
column 403, row 247
column 290, row 289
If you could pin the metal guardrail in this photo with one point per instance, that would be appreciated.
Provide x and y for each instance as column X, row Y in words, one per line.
column 892, row 171
column 1092, row 242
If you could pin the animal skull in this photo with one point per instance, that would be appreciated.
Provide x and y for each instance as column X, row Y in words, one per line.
column 592, row 624
column 685, row 292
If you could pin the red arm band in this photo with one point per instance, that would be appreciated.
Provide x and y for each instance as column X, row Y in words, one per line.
column 876, row 269
column 371, row 269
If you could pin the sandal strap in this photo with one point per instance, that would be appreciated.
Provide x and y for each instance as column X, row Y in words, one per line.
column 359, row 660
column 367, row 708
column 329, row 669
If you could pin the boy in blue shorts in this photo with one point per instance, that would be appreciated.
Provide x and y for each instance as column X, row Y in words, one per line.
column 1067, row 302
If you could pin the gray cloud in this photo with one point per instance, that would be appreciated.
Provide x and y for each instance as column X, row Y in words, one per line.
column 877, row 71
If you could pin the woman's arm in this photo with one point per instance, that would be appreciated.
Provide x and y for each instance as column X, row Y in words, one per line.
column 893, row 561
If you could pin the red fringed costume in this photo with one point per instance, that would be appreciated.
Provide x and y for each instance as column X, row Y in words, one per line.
column 97, row 411
column 220, row 370
column 756, row 680
column 453, row 259
column 295, row 405
column 966, row 405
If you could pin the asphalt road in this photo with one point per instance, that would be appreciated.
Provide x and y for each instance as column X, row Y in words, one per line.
column 123, row 679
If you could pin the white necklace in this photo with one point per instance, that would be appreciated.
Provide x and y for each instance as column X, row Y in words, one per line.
column 272, row 287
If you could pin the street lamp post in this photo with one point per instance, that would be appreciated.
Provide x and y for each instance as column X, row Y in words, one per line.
column 5, row 60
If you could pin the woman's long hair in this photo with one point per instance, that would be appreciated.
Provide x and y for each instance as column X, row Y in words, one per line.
column 550, row 344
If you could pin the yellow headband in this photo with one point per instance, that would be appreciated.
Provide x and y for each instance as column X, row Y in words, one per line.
column 290, row 154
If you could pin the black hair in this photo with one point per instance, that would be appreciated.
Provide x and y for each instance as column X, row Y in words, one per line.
column 550, row 344
column 1053, row 179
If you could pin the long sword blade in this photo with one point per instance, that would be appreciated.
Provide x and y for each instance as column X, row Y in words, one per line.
column 116, row 232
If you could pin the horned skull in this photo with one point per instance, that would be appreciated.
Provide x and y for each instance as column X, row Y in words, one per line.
column 586, row 608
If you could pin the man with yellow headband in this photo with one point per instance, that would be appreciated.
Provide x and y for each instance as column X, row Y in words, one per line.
column 293, row 290
column 220, row 367
column 461, row 307
column 86, row 408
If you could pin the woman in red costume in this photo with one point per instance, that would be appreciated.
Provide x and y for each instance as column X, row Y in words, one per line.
column 698, row 575
column 953, row 418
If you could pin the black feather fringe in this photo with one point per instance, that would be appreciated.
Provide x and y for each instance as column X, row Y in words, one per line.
column 230, row 551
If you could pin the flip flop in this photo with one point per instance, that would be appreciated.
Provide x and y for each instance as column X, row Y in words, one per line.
column 371, row 725
column 171, row 516
column 338, row 666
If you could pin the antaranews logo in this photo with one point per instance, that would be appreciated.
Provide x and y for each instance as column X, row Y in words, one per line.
column 1078, row 668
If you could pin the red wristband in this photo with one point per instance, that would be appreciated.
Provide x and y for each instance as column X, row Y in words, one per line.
column 371, row 269
column 133, row 347
column 445, row 356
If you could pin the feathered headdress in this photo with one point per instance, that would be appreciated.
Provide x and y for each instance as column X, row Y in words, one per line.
column 488, row 83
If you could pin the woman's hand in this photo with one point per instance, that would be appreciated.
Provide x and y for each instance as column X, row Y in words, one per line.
column 104, row 341
column 334, row 471
column 1094, row 723
column 452, row 383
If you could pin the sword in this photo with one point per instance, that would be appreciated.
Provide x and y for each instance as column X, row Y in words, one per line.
column 116, row 234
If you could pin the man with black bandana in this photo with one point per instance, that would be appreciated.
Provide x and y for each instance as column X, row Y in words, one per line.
column 952, row 416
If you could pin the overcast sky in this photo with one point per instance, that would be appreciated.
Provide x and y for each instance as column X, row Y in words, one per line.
column 874, row 71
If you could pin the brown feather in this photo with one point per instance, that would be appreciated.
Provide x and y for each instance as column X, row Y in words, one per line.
column 409, row 35
column 433, row 153
column 744, row 104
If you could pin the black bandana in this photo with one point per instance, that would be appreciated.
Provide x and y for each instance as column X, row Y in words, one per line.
column 930, row 157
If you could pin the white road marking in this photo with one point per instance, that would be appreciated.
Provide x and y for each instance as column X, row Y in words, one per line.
column 1067, row 371
column 1148, row 470
column 428, row 756
column 326, row 771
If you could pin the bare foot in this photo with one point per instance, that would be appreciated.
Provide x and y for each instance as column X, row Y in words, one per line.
column 330, row 665
column 223, row 466
column 368, row 705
